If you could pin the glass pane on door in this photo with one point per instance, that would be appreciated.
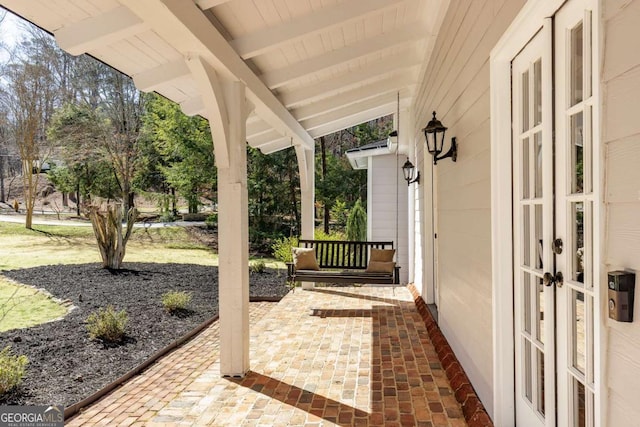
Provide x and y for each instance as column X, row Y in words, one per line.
column 576, row 64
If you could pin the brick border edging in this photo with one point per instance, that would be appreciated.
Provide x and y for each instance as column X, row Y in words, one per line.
column 74, row 409
column 474, row 412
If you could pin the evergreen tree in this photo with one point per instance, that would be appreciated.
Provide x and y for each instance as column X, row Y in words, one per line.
column 357, row 223
column 178, row 147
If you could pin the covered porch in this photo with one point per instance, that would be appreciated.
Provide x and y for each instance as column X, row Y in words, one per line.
column 274, row 75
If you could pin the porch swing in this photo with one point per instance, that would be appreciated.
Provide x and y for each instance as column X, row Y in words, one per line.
column 355, row 262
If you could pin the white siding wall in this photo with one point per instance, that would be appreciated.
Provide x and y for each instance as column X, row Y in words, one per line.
column 621, row 138
column 387, row 219
column 456, row 85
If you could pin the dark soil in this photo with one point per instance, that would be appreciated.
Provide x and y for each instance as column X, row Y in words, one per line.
column 65, row 365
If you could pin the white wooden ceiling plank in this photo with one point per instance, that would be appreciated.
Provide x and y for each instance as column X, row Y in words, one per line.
column 276, row 59
column 269, row 12
column 280, row 77
column 348, row 122
column 137, row 59
column 188, row 30
column 160, row 48
column 227, row 16
column 104, row 5
column 87, row 7
column 274, row 146
column 298, row 7
column 68, row 10
column 36, row 11
column 372, row 26
column 283, row 10
column 330, row 87
column 313, row 46
column 208, row 4
column 264, row 138
column 350, row 33
column 260, row 42
column 391, row 84
column 349, row 110
column 390, row 19
column 87, row 34
column 257, row 128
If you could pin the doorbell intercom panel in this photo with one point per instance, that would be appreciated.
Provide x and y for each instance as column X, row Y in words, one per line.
column 621, row 292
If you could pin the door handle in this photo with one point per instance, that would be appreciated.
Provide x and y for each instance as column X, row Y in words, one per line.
column 549, row 279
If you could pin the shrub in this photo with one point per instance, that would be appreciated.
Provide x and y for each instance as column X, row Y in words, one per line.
column 339, row 213
column 212, row 221
column 167, row 216
column 12, row 369
column 107, row 324
column 282, row 248
column 174, row 301
column 334, row 235
column 257, row 266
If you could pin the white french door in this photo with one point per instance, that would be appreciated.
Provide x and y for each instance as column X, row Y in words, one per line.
column 534, row 314
column 554, row 205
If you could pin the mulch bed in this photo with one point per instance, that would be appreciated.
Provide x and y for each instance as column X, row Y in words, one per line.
column 65, row 365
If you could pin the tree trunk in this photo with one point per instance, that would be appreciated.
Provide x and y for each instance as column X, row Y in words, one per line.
column 65, row 199
column 78, row 198
column 107, row 227
column 30, row 184
column 174, row 207
column 2, row 198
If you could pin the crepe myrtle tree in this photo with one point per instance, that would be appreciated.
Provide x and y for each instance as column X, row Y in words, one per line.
column 108, row 229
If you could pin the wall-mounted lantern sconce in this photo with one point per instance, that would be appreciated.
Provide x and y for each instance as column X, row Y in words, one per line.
column 434, row 134
column 408, row 169
column 392, row 141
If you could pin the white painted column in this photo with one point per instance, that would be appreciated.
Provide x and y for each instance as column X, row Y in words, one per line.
column 308, row 197
column 306, row 160
column 233, row 236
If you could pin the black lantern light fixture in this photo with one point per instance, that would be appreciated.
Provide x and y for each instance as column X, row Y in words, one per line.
column 434, row 134
column 392, row 141
column 408, row 169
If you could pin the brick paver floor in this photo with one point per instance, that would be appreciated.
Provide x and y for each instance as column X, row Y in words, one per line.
column 346, row 356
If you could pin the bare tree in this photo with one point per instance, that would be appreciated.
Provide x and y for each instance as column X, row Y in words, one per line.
column 124, row 107
column 28, row 99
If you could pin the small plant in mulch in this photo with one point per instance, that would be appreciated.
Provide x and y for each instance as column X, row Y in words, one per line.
column 257, row 267
column 107, row 324
column 176, row 302
column 12, row 369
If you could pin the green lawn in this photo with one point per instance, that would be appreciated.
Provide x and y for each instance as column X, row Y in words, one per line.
column 21, row 306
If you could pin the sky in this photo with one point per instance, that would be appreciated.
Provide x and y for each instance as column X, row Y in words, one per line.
column 11, row 32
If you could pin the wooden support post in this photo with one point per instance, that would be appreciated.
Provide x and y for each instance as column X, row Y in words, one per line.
column 233, row 235
column 306, row 160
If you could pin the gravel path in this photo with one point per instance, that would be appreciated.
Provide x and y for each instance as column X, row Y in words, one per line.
column 65, row 366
